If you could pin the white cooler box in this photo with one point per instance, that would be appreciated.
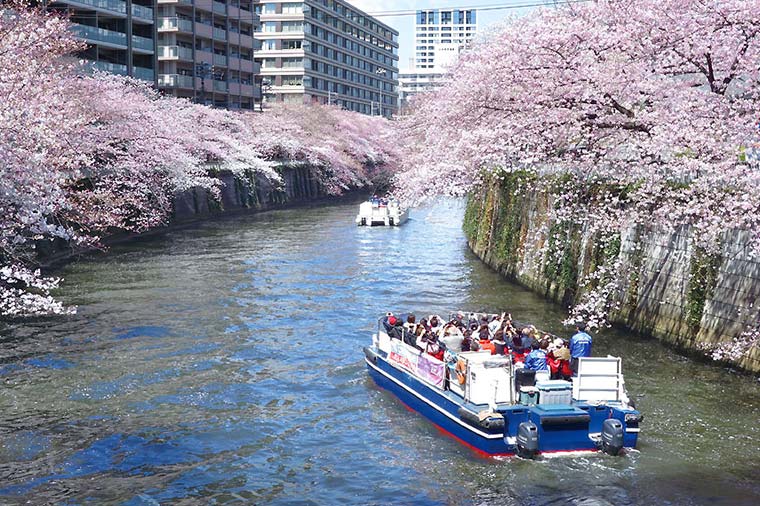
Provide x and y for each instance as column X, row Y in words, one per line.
column 554, row 392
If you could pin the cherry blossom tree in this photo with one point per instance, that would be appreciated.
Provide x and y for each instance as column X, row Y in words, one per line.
column 632, row 113
column 347, row 149
column 83, row 156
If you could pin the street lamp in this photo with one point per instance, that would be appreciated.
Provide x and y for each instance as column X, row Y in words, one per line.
column 203, row 70
column 383, row 72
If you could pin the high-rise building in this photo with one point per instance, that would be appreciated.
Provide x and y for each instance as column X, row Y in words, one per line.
column 440, row 36
column 206, row 51
column 329, row 52
column 120, row 34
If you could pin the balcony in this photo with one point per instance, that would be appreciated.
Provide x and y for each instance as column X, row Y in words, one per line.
column 175, row 53
column 142, row 12
column 175, row 81
column 95, row 35
column 220, row 59
column 143, row 43
column 220, row 33
column 104, row 66
column 174, row 24
column 219, row 7
column 220, row 86
column 144, row 74
column 119, row 6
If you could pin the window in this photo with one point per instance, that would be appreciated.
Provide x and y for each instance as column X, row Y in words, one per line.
column 292, row 44
column 268, row 45
column 292, row 26
column 268, row 9
column 269, row 26
column 291, row 63
column 292, row 81
column 292, row 8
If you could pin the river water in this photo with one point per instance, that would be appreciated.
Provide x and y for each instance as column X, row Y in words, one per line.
column 222, row 364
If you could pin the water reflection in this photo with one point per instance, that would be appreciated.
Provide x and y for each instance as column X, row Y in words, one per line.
column 223, row 364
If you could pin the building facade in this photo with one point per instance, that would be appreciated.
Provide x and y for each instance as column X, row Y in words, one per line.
column 440, row 36
column 120, row 34
column 206, row 50
column 328, row 52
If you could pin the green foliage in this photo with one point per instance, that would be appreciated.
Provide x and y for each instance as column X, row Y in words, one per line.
column 703, row 276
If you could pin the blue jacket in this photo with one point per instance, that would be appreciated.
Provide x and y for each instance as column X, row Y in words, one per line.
column 580, row 345
column 536, row 361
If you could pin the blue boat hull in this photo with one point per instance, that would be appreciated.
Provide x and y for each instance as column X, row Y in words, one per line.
column 560, row 428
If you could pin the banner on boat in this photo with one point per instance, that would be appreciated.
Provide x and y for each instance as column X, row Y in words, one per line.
column 421, row 365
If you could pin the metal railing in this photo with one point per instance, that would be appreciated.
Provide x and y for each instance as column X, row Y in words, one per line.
column 220, row 33
column 144, row 74
column 119, row 6
column 95, row 34
column 142, row 43
column 142, row 12
column 174, row 23
column 175, row 81
column 104, row 66
column 175, row 53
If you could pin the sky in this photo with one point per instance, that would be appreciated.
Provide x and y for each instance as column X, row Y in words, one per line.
column 405, row 24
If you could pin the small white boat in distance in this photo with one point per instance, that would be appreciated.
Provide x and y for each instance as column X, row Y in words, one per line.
column 381, row 211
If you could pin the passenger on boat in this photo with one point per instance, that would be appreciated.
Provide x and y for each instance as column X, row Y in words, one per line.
column 483, row 333
column 500, row 346
column 495, row 323
column 487, row 345
column 536, row 359
column 559, row 361
column 389, row 321
column 434, row 347
column 436, row 325
column 580, row 346
column 411, row 323
column 452, row 336
column 527, row 338
column 466, row 340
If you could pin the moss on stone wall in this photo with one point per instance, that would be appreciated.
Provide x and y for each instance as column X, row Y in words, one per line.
column 703, row 275
column 506, row 224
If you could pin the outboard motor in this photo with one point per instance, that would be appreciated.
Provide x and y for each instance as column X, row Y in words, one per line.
column 527, row 440
column 612, row 436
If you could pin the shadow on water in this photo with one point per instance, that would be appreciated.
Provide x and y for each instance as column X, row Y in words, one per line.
column 222, row 364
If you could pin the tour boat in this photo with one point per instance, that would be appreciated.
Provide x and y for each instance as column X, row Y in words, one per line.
column 377, row 211
column 495, row 408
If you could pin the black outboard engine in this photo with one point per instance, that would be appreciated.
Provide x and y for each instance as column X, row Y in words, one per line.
column 527, row 440
column 612, row 436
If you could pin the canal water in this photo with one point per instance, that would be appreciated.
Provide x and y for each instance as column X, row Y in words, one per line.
column 222, row 364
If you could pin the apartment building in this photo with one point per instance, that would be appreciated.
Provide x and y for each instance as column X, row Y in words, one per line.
column 120, row 34
column 329, row 52
column 206, row 51
column 440, row 36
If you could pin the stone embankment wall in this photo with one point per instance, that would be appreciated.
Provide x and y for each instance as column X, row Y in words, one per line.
column 249, row 194
column 666, row 287
column 254, row 192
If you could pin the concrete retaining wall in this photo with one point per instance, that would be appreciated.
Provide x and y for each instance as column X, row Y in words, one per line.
column 667, row 288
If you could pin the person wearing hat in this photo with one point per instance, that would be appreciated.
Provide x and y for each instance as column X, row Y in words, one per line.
column 580, row 346
column 559, row 361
